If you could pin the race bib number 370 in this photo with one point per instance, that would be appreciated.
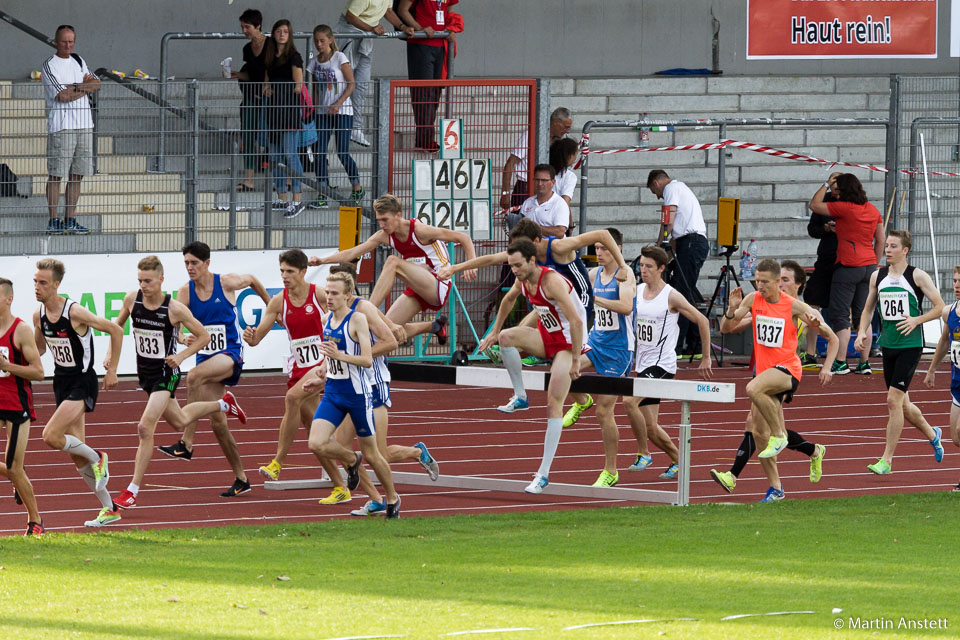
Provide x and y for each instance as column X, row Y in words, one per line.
column 307, row 351
column 769, row 331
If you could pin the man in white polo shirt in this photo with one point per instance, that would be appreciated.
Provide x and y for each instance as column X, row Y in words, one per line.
column 688, row 239
column 546, row 207
column 67, row 82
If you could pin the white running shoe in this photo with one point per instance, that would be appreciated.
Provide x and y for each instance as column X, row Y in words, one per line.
column 537, row 485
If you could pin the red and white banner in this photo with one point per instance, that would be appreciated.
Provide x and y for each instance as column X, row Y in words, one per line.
column 841, row 29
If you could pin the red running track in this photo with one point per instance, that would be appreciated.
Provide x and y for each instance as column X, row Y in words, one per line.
column 468, row 436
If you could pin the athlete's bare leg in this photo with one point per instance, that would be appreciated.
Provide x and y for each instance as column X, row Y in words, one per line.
column 15, row 471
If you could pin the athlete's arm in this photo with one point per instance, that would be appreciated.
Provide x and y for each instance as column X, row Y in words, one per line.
column 233, row 282
column 812, row 318
column 386, row 342
column 80, row 315
column 564, row 248
column 556, row 287
column 253, row 335
column 866, row 316
column 506, row 305
column 38, row 334
column 25, row 342
column 679, row 304
column 483, row 261
column 183, row 296
column 741, row 307
column 428, row 233
column 360, row 332
column 347, row 255
column 628, row 291
column 925, row 282
column 180, row 315
column 125, row 310
column 943, row 346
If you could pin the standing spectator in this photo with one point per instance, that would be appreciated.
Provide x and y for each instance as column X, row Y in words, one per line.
column 364, row 16
column 514, row 193
column 563, row 153
column 688, row 239
column 425, row 62
column 282, row 83
column 545, row 207
column 251, row 80
column 332, row 86
column 860, row 241
column 817, row 292
column 67, row 82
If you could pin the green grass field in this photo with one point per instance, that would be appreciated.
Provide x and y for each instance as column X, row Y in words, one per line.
column 886, row 557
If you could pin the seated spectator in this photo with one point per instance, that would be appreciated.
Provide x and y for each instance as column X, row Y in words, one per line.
column 545, row 207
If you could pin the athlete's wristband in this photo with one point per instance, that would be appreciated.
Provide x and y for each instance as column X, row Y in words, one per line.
column 729, row 317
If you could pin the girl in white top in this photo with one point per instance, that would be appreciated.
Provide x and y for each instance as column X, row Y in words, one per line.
column 332, row 85
column 563, row 153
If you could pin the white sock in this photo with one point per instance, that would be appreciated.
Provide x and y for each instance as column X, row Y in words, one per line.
column 103, row 495
column 511, row 360
column 73, row 446
column 134, row 489
column 224, row 407
column 550, row 443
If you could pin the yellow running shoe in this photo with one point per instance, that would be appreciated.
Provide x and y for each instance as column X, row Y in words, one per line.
column 573, row 414
column 339, row 494
column 271, row 471
column 816, row 463
column 607, row 479
column 775, row 446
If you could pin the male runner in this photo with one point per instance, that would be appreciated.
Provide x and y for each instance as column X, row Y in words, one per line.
column 212, row 299
column 66, row 329
column 774, row 314
column 950, row 341
column 792, row 279
column 423, row 251
column 658, row 310
column 346, row 347
column 900, row 288
column 558, row 336
column 19, row 364
column 155, row 319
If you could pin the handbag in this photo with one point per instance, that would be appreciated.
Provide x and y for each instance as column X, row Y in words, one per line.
column 308, row 134
column 306, row 103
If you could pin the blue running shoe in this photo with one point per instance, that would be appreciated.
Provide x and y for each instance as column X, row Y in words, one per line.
column 641, row 463
column 773, row 495
column 514, row 404
column 427, row 462
column 935, row 443
column 372, row 507
column 671, row 472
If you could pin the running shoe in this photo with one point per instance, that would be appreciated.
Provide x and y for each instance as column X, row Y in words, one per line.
column 863, row 368
column 439, row 328
column 881, row 467
column 55, row 227
column 233, row 409
column 393, row 510
column 725, row 479
column 514, row 404
column 178, row 450
column 839, row 368
column 71, row 226
column 105, row 517
column 428, row 462
column 533, row 361
column 357, row 196
column 339, row 494
column 293, row 210
column 641, row 463
column 101, row 470
column 773, row 495
column 353, row 473
column 538, row 484
column 809, row 362
column 318, row 203
column 671, row 472
column 271, row 471
column 956, row 489
column 34, row 529
column 775, row 446
column 937, row 446
column 494, row 354
column 238, row 487
column 280, row 205
column 816, row 463
column 372, row 507
column 607, row 479
column 573, row 414
column 126, row 499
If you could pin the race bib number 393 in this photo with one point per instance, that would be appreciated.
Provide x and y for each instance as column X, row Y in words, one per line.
column 769, row 331
column 218, row 339
column 547, row 319
column 606, row 320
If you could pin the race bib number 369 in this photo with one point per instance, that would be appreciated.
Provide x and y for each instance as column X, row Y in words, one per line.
column 218, row 339
column 769, row 331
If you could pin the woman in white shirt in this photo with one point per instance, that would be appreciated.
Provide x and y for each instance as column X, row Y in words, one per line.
column 563, row 153
column 332, row 85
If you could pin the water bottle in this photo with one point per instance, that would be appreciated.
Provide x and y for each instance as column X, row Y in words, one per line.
column 748, row 260
column 644, row 132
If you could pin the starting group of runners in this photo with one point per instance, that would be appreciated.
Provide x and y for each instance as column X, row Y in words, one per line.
column 338, row 385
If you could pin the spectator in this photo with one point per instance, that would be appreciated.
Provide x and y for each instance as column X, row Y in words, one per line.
column 333, row 86
column 688, row 240
column 251, row 76
column 817, row 292
column 363, row 16
column 67, row 82
column 282, row 83
column 860, row 240
column 425, row 62
column 563, row 153
column 545, row 207
column 514, row 193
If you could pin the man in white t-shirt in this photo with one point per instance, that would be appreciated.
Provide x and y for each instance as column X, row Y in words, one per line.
column 513, row 193
column 67, row 82
column 546, row 207
column 364, row 16
column 688, row 239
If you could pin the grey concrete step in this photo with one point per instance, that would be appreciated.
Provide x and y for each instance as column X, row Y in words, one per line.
column 37, row 224
column 93, row 243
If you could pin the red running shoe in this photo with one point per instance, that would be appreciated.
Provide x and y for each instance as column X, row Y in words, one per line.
column 126, row 500
column 234, row 409
column 34, row 529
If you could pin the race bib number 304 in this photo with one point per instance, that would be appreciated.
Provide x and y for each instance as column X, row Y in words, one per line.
column 337, row 370
column 61, row 351
column 218, row 339
column 547, row 319
column 769, row 331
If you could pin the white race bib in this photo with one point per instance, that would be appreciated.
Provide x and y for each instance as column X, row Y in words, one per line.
column 149, row 343
column 61, row 351
column 770, row 331
column 440, row 18
column 218, row 339
column 894, row 305
column 6, row 356
column 955, row 353
column 306, row 351
column 418, row 260
column 606, row 319
column 547, row 319
column 645, row 331
column 337, row 370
